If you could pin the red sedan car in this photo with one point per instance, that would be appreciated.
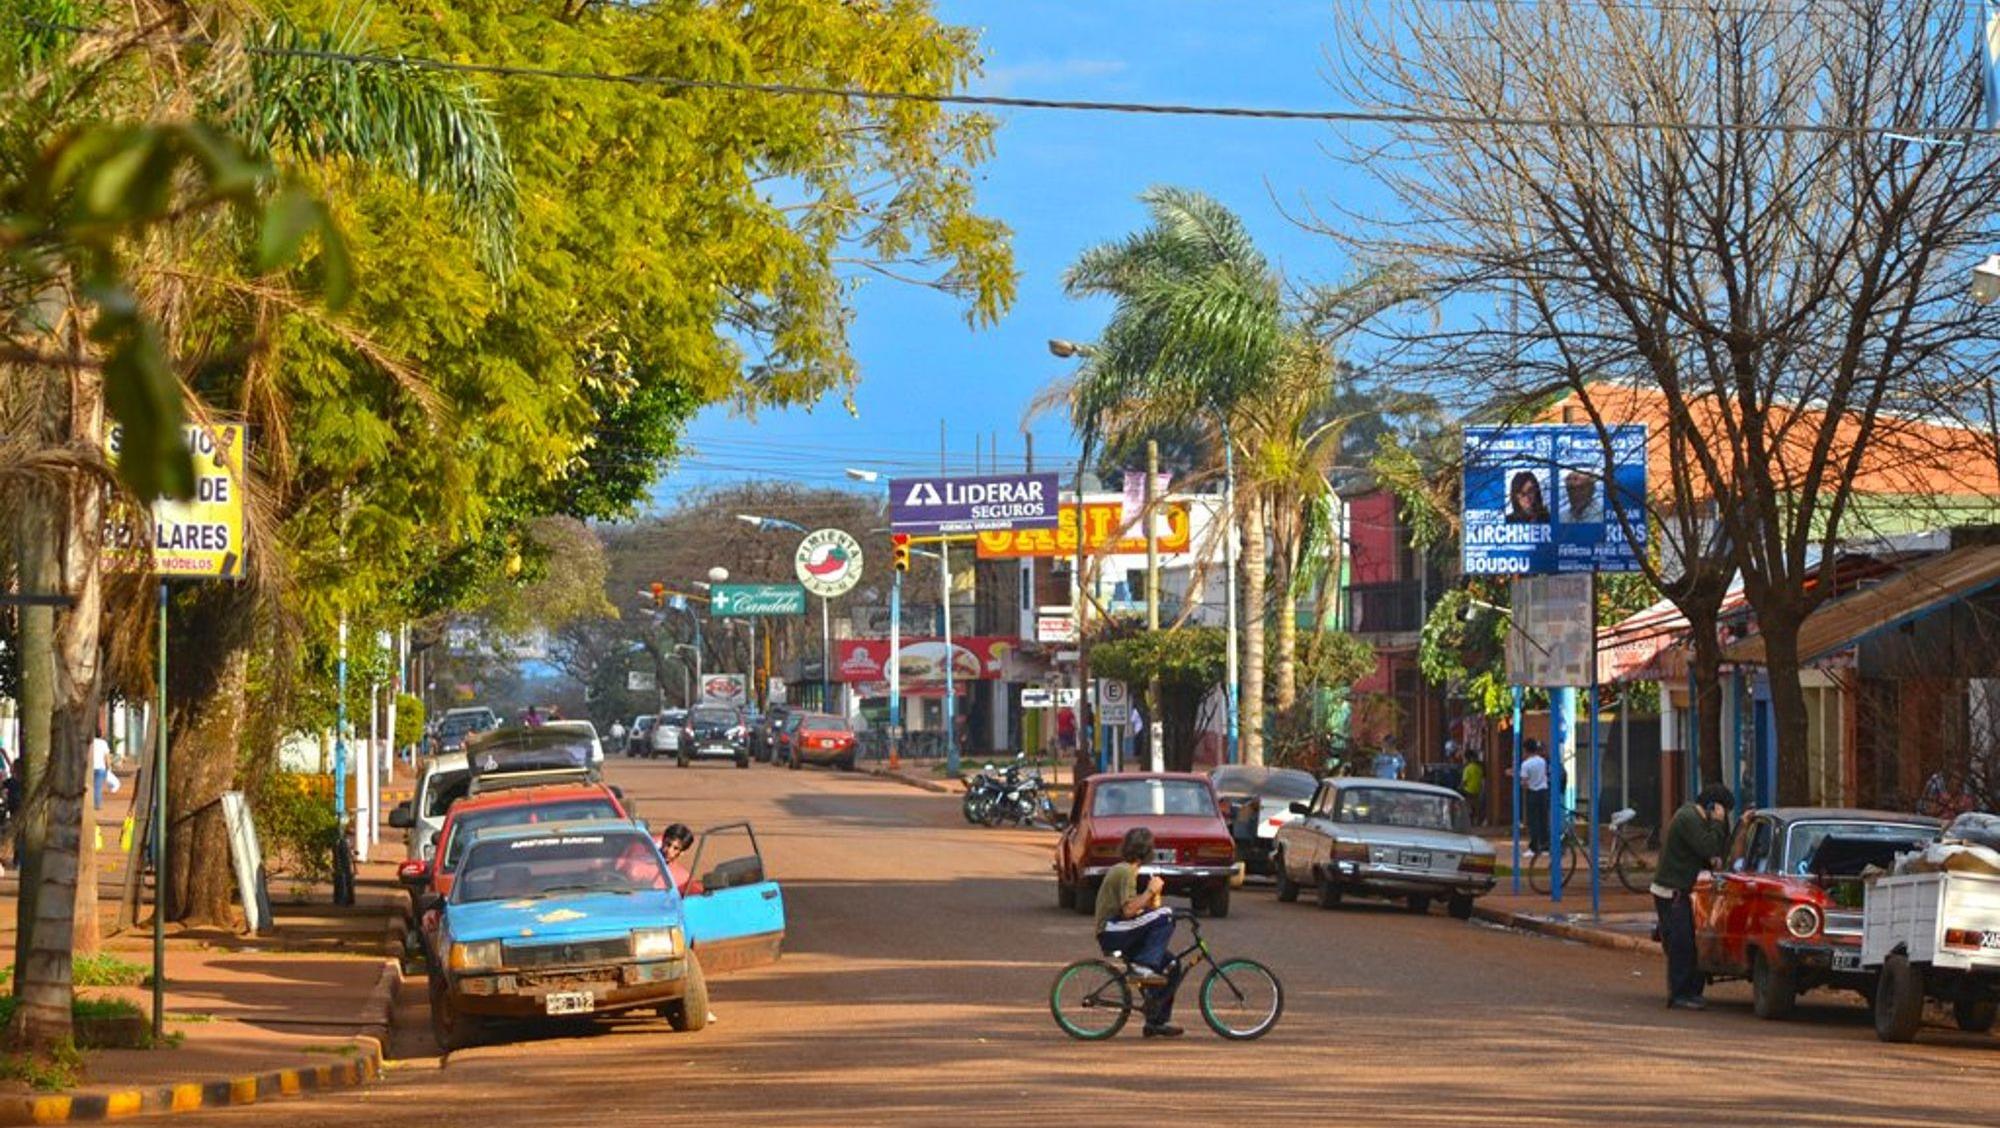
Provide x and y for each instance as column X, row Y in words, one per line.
column 1192, row 847
column 822, row 738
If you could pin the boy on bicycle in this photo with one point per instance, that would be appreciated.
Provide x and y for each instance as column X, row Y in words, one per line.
column 1131, row 921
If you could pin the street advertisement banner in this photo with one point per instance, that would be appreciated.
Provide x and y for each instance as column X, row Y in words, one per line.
column 199, row 537
column 744, row 601
column 640, row 681
column 828, row 562
column 725, row 689
column 1537, row 502
column 971, row 505
column 1106, row 530
column 1055, row 628
column 1134, row 502
column 1551, row 641
column 976, row 658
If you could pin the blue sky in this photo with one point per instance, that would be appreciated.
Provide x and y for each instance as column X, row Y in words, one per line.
column 1064, row 181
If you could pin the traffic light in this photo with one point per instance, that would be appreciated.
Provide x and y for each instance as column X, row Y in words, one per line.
column 659, row 591
column 901, row 541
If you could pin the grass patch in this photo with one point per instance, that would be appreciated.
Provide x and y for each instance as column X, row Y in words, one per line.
column 101, row 970
column 189, row 1018
column 105, row 1009
column 60, row 1068
column 347, row 1050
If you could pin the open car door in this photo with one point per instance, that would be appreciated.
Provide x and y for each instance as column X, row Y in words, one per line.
column 735, row 916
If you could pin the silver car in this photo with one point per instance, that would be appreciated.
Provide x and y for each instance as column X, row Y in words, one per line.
column 1385, row 838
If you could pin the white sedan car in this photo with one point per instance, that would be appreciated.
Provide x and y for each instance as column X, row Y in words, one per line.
column 666, row 734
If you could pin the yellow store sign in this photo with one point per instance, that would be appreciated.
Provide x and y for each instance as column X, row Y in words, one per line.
column 202, row 536
column 1105, row 532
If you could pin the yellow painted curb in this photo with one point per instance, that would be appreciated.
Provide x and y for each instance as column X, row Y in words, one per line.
column 71, row 1108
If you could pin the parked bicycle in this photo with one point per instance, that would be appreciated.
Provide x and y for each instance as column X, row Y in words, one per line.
column 1629, row 853
column 1240, row 998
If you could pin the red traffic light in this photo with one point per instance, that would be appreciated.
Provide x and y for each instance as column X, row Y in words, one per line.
column 900, row 540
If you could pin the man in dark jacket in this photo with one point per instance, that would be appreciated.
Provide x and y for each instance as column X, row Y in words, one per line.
column 1696, row 840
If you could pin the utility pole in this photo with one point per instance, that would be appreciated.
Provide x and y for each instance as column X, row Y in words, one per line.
column 1155, row 755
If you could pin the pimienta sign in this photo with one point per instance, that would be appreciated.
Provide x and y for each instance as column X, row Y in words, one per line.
column 828, row 562
column 744, row 601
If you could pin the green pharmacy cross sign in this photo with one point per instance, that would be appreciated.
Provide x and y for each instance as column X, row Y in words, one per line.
column 743, row 601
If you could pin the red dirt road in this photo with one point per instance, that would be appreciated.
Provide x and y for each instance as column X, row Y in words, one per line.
column 914, row 991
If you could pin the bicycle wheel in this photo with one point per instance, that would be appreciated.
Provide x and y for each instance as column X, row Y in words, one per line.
column 1538, row 874
column 1091, row 1000
column 1635, row 870
column 1241, row 999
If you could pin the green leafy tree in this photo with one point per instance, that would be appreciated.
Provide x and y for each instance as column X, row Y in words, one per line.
column 1189, row 664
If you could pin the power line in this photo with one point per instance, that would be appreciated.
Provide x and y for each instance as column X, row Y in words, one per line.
column 994, row 101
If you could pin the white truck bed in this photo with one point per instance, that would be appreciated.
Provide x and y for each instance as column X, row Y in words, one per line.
column 1947, row 920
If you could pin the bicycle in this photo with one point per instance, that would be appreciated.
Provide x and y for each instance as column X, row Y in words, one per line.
column 1240, row 998
column 1628, row 857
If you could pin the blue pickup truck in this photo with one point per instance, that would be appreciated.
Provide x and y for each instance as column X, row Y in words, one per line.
column 580, row 919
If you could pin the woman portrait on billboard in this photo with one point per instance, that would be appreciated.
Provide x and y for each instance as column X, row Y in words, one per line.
column 1525, row 505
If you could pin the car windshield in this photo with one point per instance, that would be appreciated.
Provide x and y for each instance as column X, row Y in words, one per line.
column 1237, row 780
column 458, row 724
column 674, row 716
column 824, row 722
column 1152, row 797
column 445, row 788
column 712, row 717
column 1805, row 838
column 1387, row 806
column 509, row 869
column 464, row 826
column 642, row 723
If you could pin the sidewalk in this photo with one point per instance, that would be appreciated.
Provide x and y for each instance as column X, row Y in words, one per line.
column 306, row 1007
column 1625, row 922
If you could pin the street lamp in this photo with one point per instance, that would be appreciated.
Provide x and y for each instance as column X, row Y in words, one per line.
column 896, row 650
column 775, row 524
column 1068, row 349
column 1986, row 281
column 770, row 524
column 718, row 575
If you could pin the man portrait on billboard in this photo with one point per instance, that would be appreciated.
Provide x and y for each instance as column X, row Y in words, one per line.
column 1583, row 503
column 1525, row 504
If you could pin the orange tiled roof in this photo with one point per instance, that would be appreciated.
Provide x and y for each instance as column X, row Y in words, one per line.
column 1905, row 458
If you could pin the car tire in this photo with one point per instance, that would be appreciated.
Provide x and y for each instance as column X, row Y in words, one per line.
column 1975, row 1013
column 1216, row 901
column 1329, row 892
column 451, row 1030
column 1773, row 992
column 689, row 1013
column 682, row 759
column 847, row 765
column 1288, row 890
column 1460, row 906
column 1420, row 905
column 743, row 762
column 1086, row 898
column 1899, row 1000
column 1065, row 894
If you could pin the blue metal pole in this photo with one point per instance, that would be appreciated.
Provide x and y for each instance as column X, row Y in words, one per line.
column 340, row 731
column 1229, row 566
column 1735, row 769
column 951, row 660
column 1596, row 799
column 1515, row 822
column 1562, row 725
column 895, row 668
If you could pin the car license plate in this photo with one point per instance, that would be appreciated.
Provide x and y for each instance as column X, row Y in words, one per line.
column 1417, row 859
column 569, row 1002
column 1990, row 941
column 826, row 743
column 1165, row 857
column 1846, row 960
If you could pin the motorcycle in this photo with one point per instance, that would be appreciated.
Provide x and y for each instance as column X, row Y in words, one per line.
column 980, row 793
column 1023, row 799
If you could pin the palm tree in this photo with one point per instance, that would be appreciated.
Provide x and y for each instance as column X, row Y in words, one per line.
column 204, row 107
column 1195, row 335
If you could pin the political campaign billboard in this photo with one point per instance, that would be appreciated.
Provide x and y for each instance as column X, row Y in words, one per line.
column 1538, row 501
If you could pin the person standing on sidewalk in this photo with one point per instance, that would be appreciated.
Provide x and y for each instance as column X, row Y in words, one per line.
column 1535, row 794
column 100, row 766
column 1696, row 840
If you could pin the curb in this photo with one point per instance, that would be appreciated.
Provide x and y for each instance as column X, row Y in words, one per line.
column 1582, row 934
column 910, row 781
column 64, row 1108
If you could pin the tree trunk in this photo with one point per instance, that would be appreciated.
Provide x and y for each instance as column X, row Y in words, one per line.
column 1283, row 569
column 54, row 819
column 1254, row 559
column 207, row 672
column 1788, row 707
column 40, row 575
column 1707, row 666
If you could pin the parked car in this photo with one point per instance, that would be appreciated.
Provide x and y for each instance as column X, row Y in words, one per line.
column 457, row 724
column 638, row 738
column 784, row 733
column 1192, row 848
column 666, row 735
column 429, row 880
column 579, row 918
column 1385, row 838
column 443, row 782
column 714, row 732
column 1785, row 911
column 1256, row 801
column 821, row 738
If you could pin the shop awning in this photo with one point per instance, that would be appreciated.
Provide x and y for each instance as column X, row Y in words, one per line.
column 1649, row 645
column 1919, row 589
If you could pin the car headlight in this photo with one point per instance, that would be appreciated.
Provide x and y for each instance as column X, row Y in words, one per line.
column 480, row 955
column 656, row 943
column 1802, row 921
